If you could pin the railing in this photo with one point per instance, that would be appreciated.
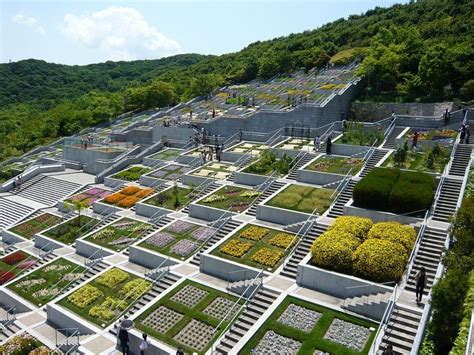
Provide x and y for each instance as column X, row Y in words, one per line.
column 160, row 268
column 296, row 160
column 10, row 315
column 389, row 131
column 274, row 136
column 328, row 132
column 238, row 311
column 369, row 293
column 383, row 323
column 414, row 250
column 438, row 192
column 70, row 333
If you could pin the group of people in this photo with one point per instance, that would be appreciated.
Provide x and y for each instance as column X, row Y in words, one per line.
column 145, row 343
column 17, row 182
column 207, row 152
column 317, row 144
column 201, row 137
column 87, row 141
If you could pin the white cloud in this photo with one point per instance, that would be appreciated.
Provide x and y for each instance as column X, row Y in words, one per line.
column 122, row 33
column 30, row 21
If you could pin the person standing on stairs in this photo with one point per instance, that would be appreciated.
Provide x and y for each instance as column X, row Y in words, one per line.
column 144, row 345
column 124, row 339
column 328, row 146
column 420, row 279
column 317, row 143
column 414, row 140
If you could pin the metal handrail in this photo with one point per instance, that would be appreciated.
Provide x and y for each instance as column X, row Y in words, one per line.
column 75, row 333
column 369, row 286
column 414, row 250
column 156, row 269
column 383, row 323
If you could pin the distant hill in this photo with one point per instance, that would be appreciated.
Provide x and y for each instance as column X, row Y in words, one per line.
column 421, row 51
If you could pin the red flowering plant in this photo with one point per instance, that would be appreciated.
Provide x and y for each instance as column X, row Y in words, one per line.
column 14, row 258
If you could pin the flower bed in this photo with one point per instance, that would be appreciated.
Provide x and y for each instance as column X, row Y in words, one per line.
column 14, row 264
column 187, row 317
column 303, row 199
column 24, row 344
column 353, row 245
column 431, row 159
column 45, row 283
column 220, row 171
column 128, row 196
column 269, row 163
column 29, row 228
column 72, row 229
column 231, row 198
column 257, row 246
column 396, row 191
column 103, row 299
column 355, row 134
column 179, row 239
column 336, row 165
column 167, row 154
column 89, row 196
column 174, row 198
column 131, row 174
column 120, row 234
column 298, row 326
column 439, row 135
column 170, row 172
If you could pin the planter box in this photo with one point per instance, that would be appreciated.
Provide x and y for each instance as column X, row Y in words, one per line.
column 249, row 178
column 195, row 180
column 379, row 216
column 150, row 181
column 425, row 144
column 334, row 283
column 185, row 159
column 105, row 209
column 62, row 318
column 208, row 213
column 225, row 269
column 154, row 163
column 150, row 211
column 280, row 215
column 348, row 149
column 112, row 182
column 231, row 156
column 147, row 258
column 47, row 244
column 11, row 238
column 317, row 177
column 87, row 249
column 279, row 152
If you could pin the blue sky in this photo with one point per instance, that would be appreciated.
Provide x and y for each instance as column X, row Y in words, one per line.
column 94, row 31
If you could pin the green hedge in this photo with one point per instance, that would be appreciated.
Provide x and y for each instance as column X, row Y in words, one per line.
column 395, row 191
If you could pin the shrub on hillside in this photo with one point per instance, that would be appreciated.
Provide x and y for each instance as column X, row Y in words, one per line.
column 357, row 226
column 394, row 232
column 379, row 260
column 333, row 251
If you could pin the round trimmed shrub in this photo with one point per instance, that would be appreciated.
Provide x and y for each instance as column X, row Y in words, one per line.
column 333, row 253
column 357, row 226
column 408, row 197
column 379, row 260
column 394, row 232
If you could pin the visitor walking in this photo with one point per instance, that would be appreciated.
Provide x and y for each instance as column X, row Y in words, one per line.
column 463, row 134
column 124, row 339
column 14, row 184
column 317, row 143
column 240, row 135
column 328, row 146
column 18, row 182
column 420, row 279
column 468, row 134
column 414, row 140
column 388, row 350
column 446, row 117
column 144, row 345
column 179, row 351
column 218, row 153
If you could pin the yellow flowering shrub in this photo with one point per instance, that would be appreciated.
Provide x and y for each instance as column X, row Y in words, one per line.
column 394, row 232
column 108, row 309
column 236, row 248
column 266, row 256
column 332, row 254
column 83, row 297
column 379, row 260
column 283, row 240
column 348, row 239
column 112, row 278
column 254, row 233
column 135, row 287
column 357, row 226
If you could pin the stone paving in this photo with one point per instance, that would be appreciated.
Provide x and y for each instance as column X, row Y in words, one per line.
column 195, row 334
column 350, row 335
column 273, row 343
column 299, row 317
column 189, row 296
column 221, row 307
column 162, row 319
column 319, row 352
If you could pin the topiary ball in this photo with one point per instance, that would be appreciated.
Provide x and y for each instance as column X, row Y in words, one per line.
column 394, row 232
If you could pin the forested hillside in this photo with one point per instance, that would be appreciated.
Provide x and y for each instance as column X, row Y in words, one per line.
column 419, row 51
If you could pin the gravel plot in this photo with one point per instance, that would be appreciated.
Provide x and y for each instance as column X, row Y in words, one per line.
column 347, row 334
column 299, row 317
column 189, row 295
column 273, row 343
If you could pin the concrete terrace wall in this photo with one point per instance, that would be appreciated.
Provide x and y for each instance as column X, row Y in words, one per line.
column 88, row 156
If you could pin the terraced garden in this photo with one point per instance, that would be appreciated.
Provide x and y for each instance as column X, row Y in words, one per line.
column 127, row 197
column 336, row 165
column 132, row 174
column 167, row 154
column 303, row 199
column 72, row 229
column 14, row 264
column 232, row 198
column 35, row 225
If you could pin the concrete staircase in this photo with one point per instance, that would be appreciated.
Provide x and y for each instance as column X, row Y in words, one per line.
column 294, row 170
column 290, row 268
column 461, row 159
column 447, row 200
column 374, row 159
column 208, row 189
column 429, row 256
column 46, row 189
column 90, row 272
column 401, row 329
column 12, row 212
column 274, row 186
column 390, row 143
column 260, row 302
column 8, row 330
column 372, row 306
column 338, row 208
column 226, row 229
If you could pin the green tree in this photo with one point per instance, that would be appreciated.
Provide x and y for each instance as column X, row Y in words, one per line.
column 268, row 65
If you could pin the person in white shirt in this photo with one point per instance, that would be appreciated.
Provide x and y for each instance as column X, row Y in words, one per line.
column 144, row 345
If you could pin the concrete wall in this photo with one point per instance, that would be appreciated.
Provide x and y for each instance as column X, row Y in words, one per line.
column 370, row 111
column 148, row 259
column 175, row 132
column 10, row 237
column 249, row 179
column 143, row 209
column 105, row 209
column 86, row 249
column 280, row 215
column 317, row 178
column 155, row 348
column 334, row 283
column 225, row 269
column 231, row 156
column 60, row 319
column 112, row 182
column 46, row 244
column 88, row 156
column 379, row 216
column 8, row 298
column 185, row 159
column 146, row 180
column 348, row 150
column 195, row 180
column 207, row 213
column 8, row 185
